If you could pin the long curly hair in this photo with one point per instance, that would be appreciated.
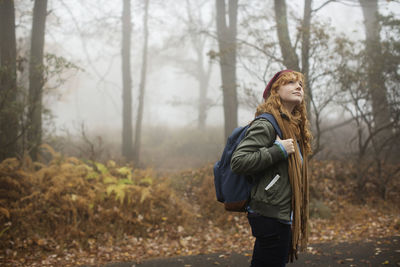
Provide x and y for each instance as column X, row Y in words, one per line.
column 298, row 118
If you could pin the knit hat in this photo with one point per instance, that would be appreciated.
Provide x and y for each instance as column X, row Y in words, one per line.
column 267, row 90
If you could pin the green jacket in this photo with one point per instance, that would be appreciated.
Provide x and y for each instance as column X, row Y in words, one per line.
column 261, row 160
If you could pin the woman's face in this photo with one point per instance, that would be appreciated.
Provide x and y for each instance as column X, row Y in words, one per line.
column 291, row 94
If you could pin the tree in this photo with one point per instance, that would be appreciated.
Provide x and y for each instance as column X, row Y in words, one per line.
column 8, row 81
column 36, row 79
column 260, row 52
column 305, row 50
column 289, row 55
column 290, row 59
column 226, row 33
column 375, row 66
column 138, row 129
column 201, row 73
column 195, row 34
column 375, row 154
column 127, row 150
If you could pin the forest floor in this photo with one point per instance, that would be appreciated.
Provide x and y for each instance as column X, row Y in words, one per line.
column 72, row 213
column 373, row 241
column 375, row 252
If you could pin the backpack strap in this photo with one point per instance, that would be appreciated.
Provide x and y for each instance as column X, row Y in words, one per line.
column 269, row 117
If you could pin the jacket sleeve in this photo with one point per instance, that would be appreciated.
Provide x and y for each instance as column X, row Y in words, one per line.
column 257, row 151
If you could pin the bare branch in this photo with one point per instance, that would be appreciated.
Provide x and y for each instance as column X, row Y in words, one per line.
column 321, row 6
column 351, row 3
column 264, row 51
column 335, row 126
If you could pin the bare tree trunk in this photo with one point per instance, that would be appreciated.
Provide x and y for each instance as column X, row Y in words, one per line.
column 8, row 81
column 290, row 59
column 36, row 79
column 201, row 74
column 227, row 51
column 204, row 79
column 202, row 115
column 305, row 51
column 376, row 83
column 138, row 130
column 127, row 150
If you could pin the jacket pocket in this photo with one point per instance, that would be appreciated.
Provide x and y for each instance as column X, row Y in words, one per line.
column 273, row 182
column 271, row 188
column 268, row 186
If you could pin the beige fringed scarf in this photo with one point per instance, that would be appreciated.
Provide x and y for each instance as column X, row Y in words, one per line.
column 298, row 175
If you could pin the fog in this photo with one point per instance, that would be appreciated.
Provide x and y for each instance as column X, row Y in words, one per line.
column 83, row 181
column 96, row 100
column 86, row 93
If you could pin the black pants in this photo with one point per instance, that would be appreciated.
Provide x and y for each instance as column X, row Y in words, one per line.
column 273, row 238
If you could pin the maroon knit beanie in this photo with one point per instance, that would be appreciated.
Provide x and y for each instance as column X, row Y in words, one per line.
column 267, row 90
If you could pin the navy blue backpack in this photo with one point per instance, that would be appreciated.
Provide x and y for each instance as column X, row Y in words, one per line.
column 233, row 189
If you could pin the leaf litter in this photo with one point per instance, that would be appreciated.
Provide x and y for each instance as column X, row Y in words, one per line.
column 69, row 212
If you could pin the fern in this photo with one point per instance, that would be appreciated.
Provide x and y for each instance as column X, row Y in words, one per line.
column 147, row 181
column 69, row 199
column 118, row 189
column 125, row 181
column 145, row 193
column 102, row 168
column 9, row 165
column 110, row 180
column 92, row 175
column 47, row 148
column 125, row 172
column 73, row 160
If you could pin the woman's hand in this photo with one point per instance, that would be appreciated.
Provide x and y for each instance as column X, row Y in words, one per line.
column 287, row 144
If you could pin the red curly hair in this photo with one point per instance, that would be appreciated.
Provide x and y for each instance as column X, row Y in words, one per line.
column 298, row 117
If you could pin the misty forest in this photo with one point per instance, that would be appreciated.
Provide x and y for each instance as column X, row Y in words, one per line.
column 113, row 113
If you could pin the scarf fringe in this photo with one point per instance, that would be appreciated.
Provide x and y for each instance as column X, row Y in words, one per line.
column 298, row 176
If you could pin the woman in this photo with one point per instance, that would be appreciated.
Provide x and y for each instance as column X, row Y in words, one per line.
column 277, row 169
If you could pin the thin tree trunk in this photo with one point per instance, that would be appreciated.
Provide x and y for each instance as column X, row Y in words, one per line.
column 201, row 74
column 305, row 51
column 290, row 59
column 203, row 77
column 202, row 115
column 227, row 51
column 36, row 79
column 138, row 130
column 203, row 88
column 127, row 151
column 8, row 81
column 376, row 83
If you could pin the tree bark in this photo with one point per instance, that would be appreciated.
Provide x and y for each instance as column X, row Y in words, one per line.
column 36, row 79
column 290, row 59
column 127, row 150
column 8, row 81
column 138, row 129
column 227, row 52
column 305, row 51
column 376, row 82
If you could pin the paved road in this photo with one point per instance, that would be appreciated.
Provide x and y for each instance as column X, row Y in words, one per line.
column 378, row 252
